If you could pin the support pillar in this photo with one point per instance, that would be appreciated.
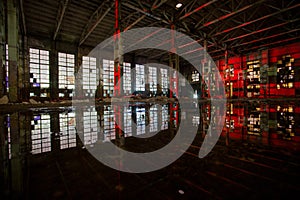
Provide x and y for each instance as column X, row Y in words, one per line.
column 16, row 157
column 13, row 50
column 174, row 64
column 2, row 47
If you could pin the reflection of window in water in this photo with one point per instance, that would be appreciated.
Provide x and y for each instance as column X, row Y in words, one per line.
column 90, row 126
column 164, row 117
column 67, row 129
column 286, row 122
column 196, row 121
column 254, row 124
column 141, row 121
column 108, row 78
column 89, row 74
column 7, row 122
column 153, row 119
column 109, row 124
column 127, row 121
column 40, row 134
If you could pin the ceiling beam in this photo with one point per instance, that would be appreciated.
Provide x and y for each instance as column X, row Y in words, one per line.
column 265, row 38
column 256, row 20
column 197, row 9
column 230, row 14
column 144, row 12
column 60, row 16
column 99, row 14
column 270, row 44
column 23, row 17
column 261, row 30
column 154, row 6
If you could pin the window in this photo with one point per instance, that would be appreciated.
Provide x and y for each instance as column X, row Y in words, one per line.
column 89, row 75
column 66, row 73
column 152, row 79
column 196, row 121
column 6, row 69
column 165, row 117
column 109, row 124
column 153, row 125
column 127, row 78
column 140, row 77
column 40, row 134
column 164, row 81
column 195, row 76
column 127, row 121
column 39, row 72
column 108, row 78
column 253, row 78
column 141, row 121
column 67, row 130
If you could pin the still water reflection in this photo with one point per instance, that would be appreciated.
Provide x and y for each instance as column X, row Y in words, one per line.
column 27, row 136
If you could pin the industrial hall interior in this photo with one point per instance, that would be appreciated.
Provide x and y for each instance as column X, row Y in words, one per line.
column 149, row 99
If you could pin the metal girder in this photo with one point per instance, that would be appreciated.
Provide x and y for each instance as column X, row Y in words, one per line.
column 23, row 17
column 262, row 30
column 95, row 20
column 60, row 16
column 230, row 14
column 154, row 6
column 144, row 12
column 256, row 20
column 197, row 9
column 273, row 43
column 265, row 38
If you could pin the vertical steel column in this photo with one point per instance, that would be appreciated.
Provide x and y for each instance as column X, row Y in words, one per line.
column 117, row 51
column 13, row 50
column 2, row 46
column 174, row 64
column 118, row 61
column 16, row 159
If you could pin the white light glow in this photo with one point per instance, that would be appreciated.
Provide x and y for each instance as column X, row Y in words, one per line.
column 178, row 5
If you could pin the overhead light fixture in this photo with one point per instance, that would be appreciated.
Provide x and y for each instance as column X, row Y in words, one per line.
column 178, row 5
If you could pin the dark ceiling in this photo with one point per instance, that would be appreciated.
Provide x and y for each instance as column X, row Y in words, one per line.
column 240, row 26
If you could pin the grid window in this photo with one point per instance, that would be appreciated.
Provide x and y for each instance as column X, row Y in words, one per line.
column 153, row 126
column 6, row 69
column 90, row 125
column 39, row 71
column 152, row 79
column 40, row 134
column 140, row 121
column 108, row 78
column 195, row 76
column 164, row 118
column 127, row 121
column 66, row 73
column 127, row 78
column 67, row 130
column 140, row 77
column 164, row 81
column 89, row 75
column 109, row 124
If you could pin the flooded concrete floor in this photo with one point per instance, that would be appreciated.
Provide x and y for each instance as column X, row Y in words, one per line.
column 247, row 167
